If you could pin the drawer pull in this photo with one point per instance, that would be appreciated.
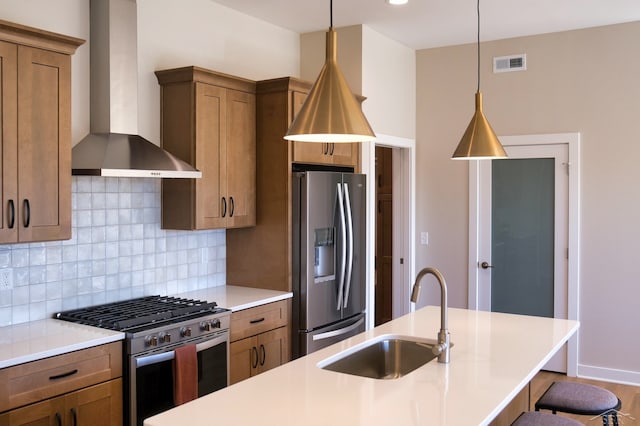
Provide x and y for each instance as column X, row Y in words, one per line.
column 256, row 321
column 63, row 375
column 58, row 419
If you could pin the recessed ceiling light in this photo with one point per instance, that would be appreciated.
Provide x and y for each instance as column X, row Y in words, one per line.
column 397, row 2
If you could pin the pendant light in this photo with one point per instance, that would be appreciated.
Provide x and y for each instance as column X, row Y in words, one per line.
column 331, row 112
column 479, row 140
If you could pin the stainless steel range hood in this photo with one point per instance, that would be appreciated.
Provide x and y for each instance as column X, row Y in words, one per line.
column 113, row 148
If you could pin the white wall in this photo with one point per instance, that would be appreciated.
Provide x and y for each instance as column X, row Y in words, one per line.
column 578, row 81
column 389, row 82
column 208, row 35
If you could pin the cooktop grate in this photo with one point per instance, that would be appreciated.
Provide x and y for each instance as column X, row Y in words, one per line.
column 143, row 311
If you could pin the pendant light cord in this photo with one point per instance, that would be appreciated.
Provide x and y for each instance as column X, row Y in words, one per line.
column 331, row 13
column 478, row 12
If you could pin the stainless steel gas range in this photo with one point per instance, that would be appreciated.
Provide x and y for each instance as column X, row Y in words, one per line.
column 155, row 326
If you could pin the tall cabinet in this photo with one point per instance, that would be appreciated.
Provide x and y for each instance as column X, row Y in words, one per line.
column 35, row 115
column 208, row 120
column 261, row 256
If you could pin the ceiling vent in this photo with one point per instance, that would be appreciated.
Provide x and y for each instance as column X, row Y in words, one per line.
column 510, row 63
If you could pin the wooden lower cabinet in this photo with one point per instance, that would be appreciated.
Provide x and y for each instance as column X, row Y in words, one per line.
column 98, row 405
column 259, row 339
column 77, row 388
column 258, row 354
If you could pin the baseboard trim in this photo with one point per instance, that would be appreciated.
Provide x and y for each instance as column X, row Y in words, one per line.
column 609, row 375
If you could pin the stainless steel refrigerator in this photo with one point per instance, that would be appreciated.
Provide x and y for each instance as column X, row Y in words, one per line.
column 328, row 250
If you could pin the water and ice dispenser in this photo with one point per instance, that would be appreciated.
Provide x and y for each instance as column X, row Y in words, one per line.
column 325, row 254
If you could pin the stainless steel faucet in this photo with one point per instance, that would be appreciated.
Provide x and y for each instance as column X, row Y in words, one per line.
column 442, row 348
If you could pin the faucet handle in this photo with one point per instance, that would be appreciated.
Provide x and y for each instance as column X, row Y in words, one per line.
column 438, row 349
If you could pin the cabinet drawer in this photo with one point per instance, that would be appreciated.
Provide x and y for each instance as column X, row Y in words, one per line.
column 250, row 322
column 34, row 381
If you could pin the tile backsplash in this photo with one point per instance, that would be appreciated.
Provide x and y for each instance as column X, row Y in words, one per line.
column 117, row 251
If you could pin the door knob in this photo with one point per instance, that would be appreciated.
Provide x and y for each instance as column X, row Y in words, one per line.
column 485, row 265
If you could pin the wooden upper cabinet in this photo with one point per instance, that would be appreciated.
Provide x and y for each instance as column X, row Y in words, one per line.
column 260, row 256
column 338, row 154
column 9, row 140
column 35, row 110
column 208, row 120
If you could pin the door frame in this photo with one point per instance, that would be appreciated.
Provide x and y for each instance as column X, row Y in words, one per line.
column 403, row 220
column 573, row 142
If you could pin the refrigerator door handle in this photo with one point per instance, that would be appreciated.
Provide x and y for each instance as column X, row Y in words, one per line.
column 343, row 257
column 334, row 333
column 347, row 207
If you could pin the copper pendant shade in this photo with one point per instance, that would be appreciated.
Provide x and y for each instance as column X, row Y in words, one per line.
column 479, row 141
column 331, row 112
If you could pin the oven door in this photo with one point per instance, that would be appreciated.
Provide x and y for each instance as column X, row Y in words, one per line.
column 151, row 379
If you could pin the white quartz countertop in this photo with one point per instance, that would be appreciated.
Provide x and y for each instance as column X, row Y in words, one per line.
column 35, row 340
column 494, row 356
column 237, row 298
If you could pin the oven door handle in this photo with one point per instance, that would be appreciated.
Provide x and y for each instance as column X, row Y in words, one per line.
column 169, row 355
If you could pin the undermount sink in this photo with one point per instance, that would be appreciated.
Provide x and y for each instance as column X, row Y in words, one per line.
column 385, row 357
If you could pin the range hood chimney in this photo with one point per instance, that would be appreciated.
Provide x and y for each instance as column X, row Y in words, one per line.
column 113, row 148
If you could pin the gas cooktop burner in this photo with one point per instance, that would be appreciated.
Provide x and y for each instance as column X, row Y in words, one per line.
column 141, row 312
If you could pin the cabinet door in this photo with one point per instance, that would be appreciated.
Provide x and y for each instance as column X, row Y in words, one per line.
column 243, row 359
column 99, row 405
column 46, row 413
column 44, row 144
column 305, row 152
column 344, row 154
column 273, row 348
column 9, row 209
column 212, row 206
column 241, row 159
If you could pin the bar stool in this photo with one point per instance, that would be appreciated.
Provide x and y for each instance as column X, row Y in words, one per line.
column 537, row 418
column 580, row 398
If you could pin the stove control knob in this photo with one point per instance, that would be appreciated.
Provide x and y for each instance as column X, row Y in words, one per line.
column 215, row 323
column 185, row 332
column 164, row 337
column 151, row 340
column 205, row 326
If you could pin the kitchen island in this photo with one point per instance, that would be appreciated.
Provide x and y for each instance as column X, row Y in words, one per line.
column 493, row 358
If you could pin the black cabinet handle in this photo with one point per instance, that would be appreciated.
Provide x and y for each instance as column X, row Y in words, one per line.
column 264, row 355
column 325, row 148
column 333, row 145
column 233, row 206
column 12, row 214
column 255, row 321
column 224, row 206
column 58, row 419
column 74, row 417
column 27, row 213
column 254, row 351
column 63, row 375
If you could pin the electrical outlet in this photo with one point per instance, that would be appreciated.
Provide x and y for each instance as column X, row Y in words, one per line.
column 6, row 279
